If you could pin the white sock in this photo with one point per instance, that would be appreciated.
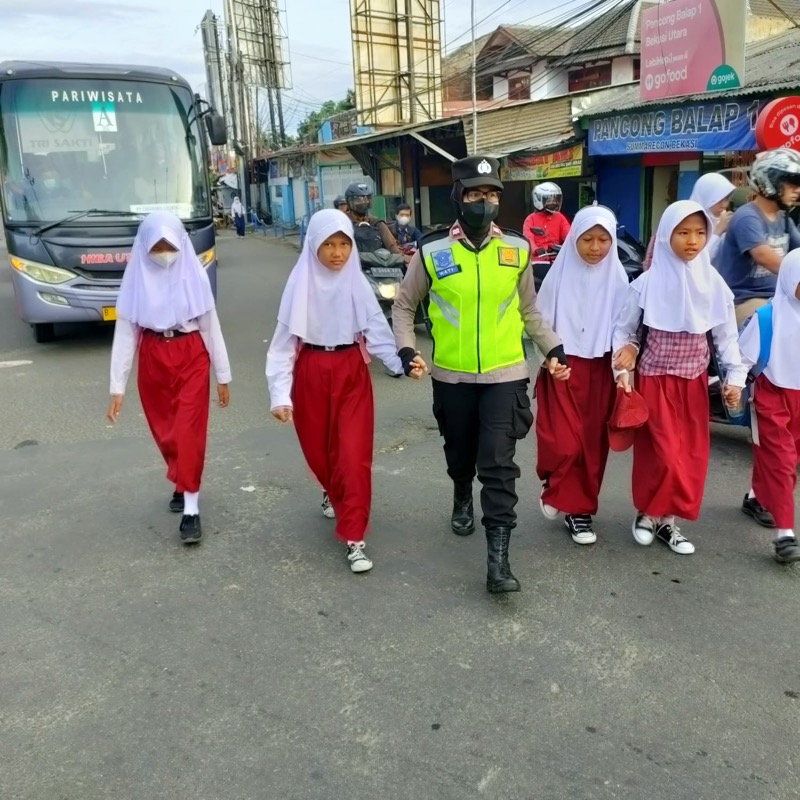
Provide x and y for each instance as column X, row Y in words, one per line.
column 784, row 533
column 359, row 543
column 751, row 495
column 666, row 521
column 191, row 503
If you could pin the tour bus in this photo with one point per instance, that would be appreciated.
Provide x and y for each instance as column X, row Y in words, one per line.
column 86, row 151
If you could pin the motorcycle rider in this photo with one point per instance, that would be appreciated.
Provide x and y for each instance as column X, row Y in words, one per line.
column 340, row 203
column 547, row 217
column 402, row 229
column 371, row 233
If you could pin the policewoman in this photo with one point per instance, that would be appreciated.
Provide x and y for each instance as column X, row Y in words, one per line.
column 482, row 300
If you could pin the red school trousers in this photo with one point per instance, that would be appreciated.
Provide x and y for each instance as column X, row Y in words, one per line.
column 173, row 386
column 670, row 452
column 572, row 434
column 334, row 415
column 776, row 456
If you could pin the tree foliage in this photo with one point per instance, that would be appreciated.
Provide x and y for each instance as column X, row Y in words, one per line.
column 309, row 127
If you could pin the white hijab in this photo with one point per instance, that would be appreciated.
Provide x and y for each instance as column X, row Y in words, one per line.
column 237, row 209
column 321, row 306
column 783, row 367
column 163, row 298
column 677, row 295
column 711, row 189
column 581, row 302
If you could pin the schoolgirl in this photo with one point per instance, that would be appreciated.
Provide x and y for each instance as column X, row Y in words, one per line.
column 328, row 324
column 580, row 298
column 713, row 192
column 166, row 311
column 776, row 405
column 673, row 311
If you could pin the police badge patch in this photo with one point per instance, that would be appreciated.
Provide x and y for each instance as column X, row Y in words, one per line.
column 508, row 256
column 444, row 264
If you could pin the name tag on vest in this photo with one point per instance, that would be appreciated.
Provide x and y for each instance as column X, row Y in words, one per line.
column 444, row 264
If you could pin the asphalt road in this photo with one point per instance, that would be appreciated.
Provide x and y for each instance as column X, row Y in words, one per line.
column 256, row 666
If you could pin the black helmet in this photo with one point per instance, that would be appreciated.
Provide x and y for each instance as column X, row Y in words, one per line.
column 358, row 197
column 339, row 200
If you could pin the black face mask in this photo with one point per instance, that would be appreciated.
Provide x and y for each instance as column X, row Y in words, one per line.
column 478, row 216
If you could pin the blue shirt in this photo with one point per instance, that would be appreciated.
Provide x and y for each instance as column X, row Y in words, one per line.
column 748, row 229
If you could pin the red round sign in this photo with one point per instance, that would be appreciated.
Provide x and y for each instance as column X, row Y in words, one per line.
column 778, row 125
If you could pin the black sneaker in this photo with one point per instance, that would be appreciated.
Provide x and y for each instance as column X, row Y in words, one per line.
column 754, row 509
column 580, row 528
column 787, row 550
column 191, row 532
column 672, row 537
column 176, row 504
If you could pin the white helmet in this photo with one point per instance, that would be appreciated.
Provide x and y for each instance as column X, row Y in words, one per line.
column 547, row 197
column 772, row 169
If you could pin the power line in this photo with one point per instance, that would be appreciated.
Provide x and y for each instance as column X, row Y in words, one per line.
column 785, row 13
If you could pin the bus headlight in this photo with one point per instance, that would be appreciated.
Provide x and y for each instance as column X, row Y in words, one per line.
column 207, row 257
column 43, row 273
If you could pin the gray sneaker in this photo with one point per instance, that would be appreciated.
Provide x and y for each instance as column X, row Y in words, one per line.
column 787, row 550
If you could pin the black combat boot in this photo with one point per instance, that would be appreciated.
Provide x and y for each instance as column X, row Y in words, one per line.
column 499, row 577
column 463, row 520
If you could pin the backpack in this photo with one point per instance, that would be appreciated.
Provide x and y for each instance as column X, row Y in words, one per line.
column 765, row 348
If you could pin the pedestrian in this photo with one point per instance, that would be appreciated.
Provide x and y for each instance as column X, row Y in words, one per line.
column 237, row 212
column 482, row 300
column 580, row 298
column 329, row 324
column 713, row 191
column 683, row 307
column 776, row 404
column 166, row 312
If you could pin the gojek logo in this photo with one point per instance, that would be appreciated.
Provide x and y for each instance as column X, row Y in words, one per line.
column 723, row 77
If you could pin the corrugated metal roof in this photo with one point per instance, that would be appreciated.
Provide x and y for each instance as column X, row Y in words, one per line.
column 763, row 8
column 508, row 129
column 772, row 65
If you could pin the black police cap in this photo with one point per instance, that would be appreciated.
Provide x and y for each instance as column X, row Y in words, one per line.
column 477, row 171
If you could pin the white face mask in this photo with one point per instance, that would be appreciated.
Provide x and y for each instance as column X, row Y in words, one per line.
column 403, row 221
column 165, row 260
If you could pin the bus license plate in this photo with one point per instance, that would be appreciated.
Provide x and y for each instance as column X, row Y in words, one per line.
column 109, row 313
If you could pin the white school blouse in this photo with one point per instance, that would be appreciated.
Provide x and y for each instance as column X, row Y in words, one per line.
column 283, row 352
column 126, row 342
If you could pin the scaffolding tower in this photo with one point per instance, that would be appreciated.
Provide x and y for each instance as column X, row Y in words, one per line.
column 397, row 60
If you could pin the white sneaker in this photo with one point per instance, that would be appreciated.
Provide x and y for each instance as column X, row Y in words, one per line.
column 327, row 508
column 358, row 560
column 644, row 529
column 580, row 528
column 549, row 512
column 672, row 537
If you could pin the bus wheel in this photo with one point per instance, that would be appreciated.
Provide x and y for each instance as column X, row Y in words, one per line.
column 44, row 332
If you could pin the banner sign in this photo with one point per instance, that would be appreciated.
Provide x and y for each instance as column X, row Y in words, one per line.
column 699, row 127
column 566, row 163
column 692, row 47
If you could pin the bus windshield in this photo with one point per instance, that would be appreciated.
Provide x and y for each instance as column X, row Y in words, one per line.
column 74, row 145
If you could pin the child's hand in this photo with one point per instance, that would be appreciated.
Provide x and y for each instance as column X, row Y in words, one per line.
column 114, row 408
column 624, row 382
column 282, row 414
column 732, row 395
column 560, row 372
column 418, row 368
column 223, row 395
column 625, row 357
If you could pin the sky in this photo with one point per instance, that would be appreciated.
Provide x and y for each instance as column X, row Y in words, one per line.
column 165, row 33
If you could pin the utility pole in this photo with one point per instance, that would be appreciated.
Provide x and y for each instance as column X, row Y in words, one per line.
column 474, row 84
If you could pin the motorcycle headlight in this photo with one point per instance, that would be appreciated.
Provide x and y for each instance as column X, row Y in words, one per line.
column 43, row 273
column 207, row 257
column 387, row 290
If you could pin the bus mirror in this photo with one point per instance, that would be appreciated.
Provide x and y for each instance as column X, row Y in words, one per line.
column 217, row 130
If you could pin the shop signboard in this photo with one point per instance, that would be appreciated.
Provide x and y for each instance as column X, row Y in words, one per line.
column 778, row 125
column 694, row 127
column 566, row 163
column 692, row 47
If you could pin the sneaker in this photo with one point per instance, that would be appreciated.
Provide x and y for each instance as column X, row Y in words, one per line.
column 549, row 512
column 327, row 508
column 644, row 529
column 580, row 528
column 674, row 539
column 357, row 558
column 176, row 504
column 787, row 550
column 754, row 509
column 191, row 532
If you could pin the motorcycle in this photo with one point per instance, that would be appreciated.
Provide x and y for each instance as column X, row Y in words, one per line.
column 384, row 272
column 631, row 253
